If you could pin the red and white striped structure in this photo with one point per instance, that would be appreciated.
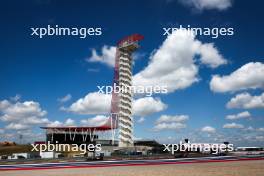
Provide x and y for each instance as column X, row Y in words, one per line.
column 121, row 103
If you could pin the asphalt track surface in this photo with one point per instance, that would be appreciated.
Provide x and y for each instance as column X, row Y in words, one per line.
column 90, row 164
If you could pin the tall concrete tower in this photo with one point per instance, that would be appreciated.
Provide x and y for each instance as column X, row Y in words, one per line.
column 122, row 102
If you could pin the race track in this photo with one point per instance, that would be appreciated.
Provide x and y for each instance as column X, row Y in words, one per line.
column 62, row 165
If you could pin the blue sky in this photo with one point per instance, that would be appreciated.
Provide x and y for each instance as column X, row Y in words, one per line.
column 45, row 70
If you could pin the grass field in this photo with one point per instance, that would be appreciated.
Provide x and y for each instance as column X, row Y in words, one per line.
column 8, row 150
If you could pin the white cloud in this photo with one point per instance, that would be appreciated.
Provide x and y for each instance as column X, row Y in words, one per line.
column 208, row 4
column 2, row 131
column 4, row 104
column 55, row 124
column 92, row 103
column 25, row 115
column 168, row 118
column 169, row 126
column 17, row 126
column 173, row 64
column 167, row 122
column 65, row 98
column 69, row 122
column 17, row 111
column 147, row 105
column 95, row 121
column 210, row 55
column 34, row 121
column 241, row 115
column 261, row 129
column 250, row 128
column 107, row 56
column 208, row 129
column 15, row 98
column 246, row 101
column 260, row 138
column 233, row 125
column 141, row 120
column 97, row 103
column 249, row 76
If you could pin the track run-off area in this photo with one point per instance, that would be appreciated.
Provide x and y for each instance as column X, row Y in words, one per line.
column 113, row 163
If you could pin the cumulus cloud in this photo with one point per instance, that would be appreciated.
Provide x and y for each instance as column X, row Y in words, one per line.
column 259, row 138
column 65, row 98
column 55, row 124
column 173, row 63
column 246, row 101
column 98, row 103
column 34, row 120
column 141, row 120
column 15, row 98
column 69, row 122
column 207, row 4
column 241, row 115
column 147, row 105
column 92, row 103
column 208, row 129
column 169, row 126
column 107, row 56
column 261, row 129
column 95, row 121
column 250, row 128
column 25, row 115
column 22, row 115
column 176, row 118
column 210, row 55
column 17, row 111
column 168, row 122
column 17, row 126
column 249, row 76
column 233, row 125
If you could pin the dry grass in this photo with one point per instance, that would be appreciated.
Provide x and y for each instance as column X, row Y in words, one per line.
column 8, row 150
